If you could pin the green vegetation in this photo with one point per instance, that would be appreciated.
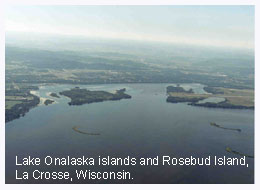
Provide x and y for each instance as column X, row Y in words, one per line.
column 9, row 104
column 234, row 98
column 223, row 104
column 83, row 96
column 179, row 94
column 177, row 98
column 19, row 100
column 239, row 97
column 178, row 89
column 47, row 102
column 54, row 95
column 126, row 65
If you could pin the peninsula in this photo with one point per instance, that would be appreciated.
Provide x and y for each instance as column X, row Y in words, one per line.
column 19, row 100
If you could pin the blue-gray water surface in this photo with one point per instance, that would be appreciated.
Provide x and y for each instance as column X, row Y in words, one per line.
column 143, row 126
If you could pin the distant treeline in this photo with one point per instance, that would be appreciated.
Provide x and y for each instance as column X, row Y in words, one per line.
column 223, row 104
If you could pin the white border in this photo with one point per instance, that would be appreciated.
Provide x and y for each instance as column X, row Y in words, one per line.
column 131, row 2
column 2, row 95
column 125, row 2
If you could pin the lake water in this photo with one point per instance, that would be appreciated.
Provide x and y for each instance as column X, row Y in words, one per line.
column 144, row 126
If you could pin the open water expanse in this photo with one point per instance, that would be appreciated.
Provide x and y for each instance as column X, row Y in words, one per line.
column 143, row 126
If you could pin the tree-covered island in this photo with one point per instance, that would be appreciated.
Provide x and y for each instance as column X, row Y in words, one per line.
column 54, row 95
column 80, row 96
column 47, row 102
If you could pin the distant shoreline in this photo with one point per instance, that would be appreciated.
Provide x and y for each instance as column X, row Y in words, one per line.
column 123, row 83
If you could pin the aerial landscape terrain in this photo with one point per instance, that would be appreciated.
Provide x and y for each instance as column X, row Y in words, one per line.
column 232, row 78
column 66, row 77
column 123, row 82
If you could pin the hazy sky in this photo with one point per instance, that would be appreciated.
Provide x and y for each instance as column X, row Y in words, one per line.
column 203, row 25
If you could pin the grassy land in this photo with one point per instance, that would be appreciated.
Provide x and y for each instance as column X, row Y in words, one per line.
column 11, row 98
column 19, row 100
column 188, row 95
column 243, row 97
column 236, row 97
column 9, row 103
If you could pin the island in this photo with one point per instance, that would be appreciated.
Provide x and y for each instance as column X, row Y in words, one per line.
column 19, row 100
column 233, row 98
column 54, row 95
column 228, row 149
column 47, row 102
column 218, row 126
column 80, row 96
column 75, row 128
